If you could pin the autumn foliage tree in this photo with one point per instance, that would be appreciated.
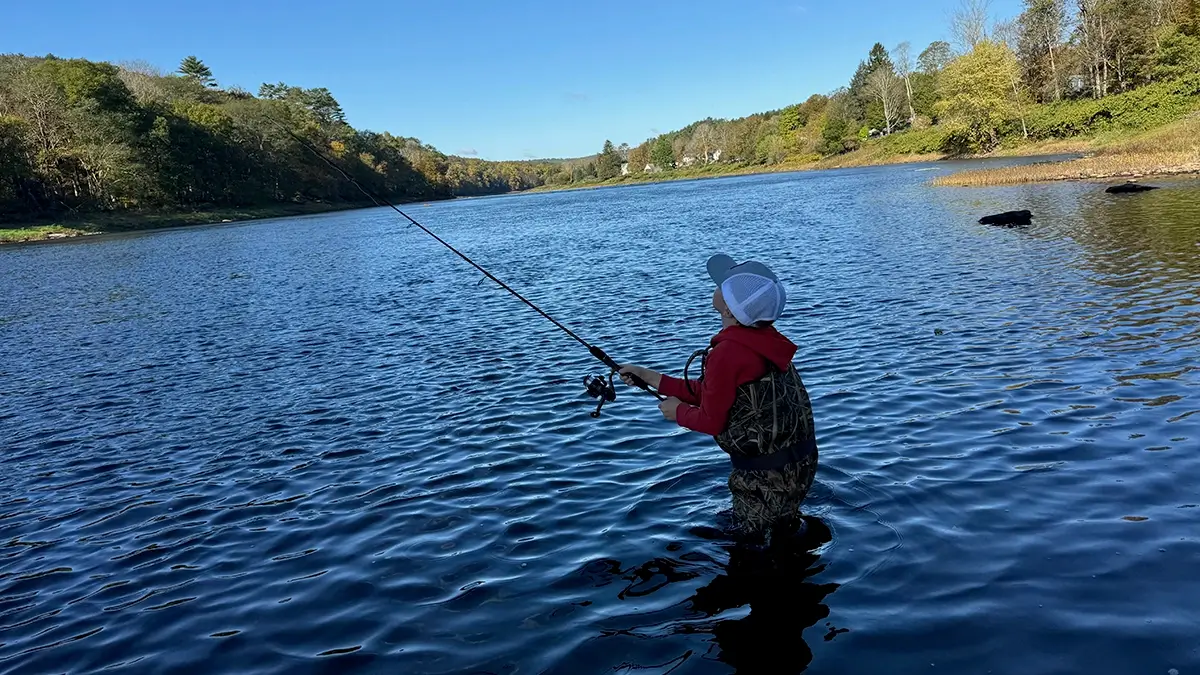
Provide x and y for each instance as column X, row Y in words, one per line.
column 976, row 99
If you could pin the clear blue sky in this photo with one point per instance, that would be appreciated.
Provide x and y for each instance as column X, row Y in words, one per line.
column 503, row 80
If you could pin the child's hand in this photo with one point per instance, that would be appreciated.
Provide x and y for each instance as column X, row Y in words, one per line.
column 645, row 374
column 669, row 408
column 635, row 371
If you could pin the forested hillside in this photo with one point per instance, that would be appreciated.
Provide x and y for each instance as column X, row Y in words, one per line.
column 77, row 135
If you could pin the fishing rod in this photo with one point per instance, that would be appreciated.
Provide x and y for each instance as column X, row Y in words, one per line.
column 596, row 385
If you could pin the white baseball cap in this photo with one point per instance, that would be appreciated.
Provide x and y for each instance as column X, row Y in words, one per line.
column 751, row 289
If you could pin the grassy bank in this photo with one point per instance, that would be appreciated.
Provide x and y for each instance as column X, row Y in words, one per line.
column 1170, row 150
column 1146, row 130
column 878, row 152
column 128, row 221
column 38, row 233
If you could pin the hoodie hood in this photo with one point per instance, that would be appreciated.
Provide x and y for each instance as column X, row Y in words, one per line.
column 766, row 342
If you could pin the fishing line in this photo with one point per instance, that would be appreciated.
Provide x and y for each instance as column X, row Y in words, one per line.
column 596, row 386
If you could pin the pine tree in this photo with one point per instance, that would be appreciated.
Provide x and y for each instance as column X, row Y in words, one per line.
column 194, row 69
column 860, row 100
column 608, row 164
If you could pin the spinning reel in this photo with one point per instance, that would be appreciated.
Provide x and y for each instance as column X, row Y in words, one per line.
column 602, row 389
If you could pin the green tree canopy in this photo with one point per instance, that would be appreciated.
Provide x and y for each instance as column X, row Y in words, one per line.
column 860, row 106
column 1179, row 56
column 976, row 96
column 194, row 69
column 608, row 164
column 662, row 154
column 320, row 102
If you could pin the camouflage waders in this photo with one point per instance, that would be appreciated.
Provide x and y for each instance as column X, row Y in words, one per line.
column 771, row 442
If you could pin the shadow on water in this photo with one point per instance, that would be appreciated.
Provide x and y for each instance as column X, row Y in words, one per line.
column 752, row 613
column 783, row 599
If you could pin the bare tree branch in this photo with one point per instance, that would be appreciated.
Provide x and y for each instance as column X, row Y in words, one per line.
column 903, row 61
column 969, row 25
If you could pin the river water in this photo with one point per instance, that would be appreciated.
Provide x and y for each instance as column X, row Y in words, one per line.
column 325, row 444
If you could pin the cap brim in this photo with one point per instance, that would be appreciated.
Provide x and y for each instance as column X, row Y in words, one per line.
column 719, row 267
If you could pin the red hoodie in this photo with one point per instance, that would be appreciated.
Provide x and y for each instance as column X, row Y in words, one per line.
column 739, row 355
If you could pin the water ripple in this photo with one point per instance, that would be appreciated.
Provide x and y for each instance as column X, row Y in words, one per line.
column 322, row 445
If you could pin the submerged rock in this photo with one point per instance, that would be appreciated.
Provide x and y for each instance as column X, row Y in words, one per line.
column 1008, row 218
column 1130, row 187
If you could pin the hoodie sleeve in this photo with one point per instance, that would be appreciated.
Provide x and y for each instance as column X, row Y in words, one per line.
column 677, row 388
column 727, row 365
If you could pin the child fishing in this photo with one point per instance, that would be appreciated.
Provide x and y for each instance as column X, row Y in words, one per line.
column 750, row 398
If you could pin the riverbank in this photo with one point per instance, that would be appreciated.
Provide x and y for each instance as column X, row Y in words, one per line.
column 1170, row 150
column 128, row 221
column 878, row 153
column 1167, row 150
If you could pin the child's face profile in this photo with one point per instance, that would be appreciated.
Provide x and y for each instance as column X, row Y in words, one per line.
column 719, row 305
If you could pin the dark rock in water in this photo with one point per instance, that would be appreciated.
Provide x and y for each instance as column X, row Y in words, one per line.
column 1130, row 187
column 1008, row 218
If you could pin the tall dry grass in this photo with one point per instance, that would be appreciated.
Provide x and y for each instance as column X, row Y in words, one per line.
column 1172, row 149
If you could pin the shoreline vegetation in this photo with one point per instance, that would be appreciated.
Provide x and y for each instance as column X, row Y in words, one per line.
column 90, row 146
column 1170, row 150
column 1173, row 149
column 87, row 224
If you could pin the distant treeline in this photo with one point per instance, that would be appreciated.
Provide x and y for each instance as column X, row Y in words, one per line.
column 77, row 135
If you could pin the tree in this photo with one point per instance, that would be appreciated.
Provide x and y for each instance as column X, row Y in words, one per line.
column 935, row 57
column 770, row 150
column 888, row 89
column 969, row 24
column 838, row 136
column 975, row 99
column 608, row 164
column 1178, row 57
column 194, row 69
column 145, row 81
column 1040, row 35
column 722, row 141
column 812, row 107
column 1135, row 44
column 703, row 141
column 679, row 147
column 639, row 157
column 1116, row 43
column 320, row 102
column 925, row 95
column 789, row 119
column 14, row 165
column 1007, row 35
column 902, row 58
column 662, row 154
column 860, row 98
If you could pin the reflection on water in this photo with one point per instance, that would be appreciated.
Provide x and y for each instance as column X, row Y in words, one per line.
column 321, row 445
column 783, row 598
column 751, row 610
